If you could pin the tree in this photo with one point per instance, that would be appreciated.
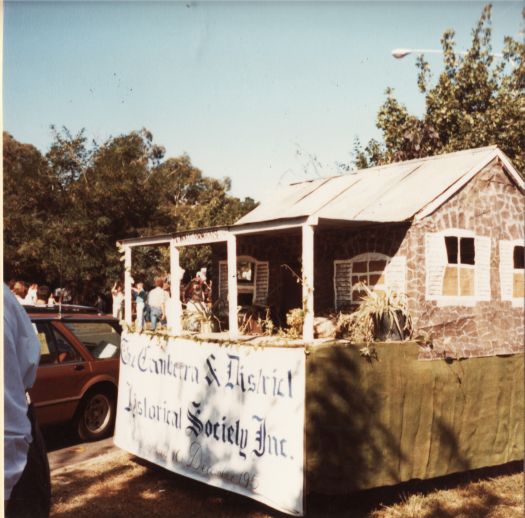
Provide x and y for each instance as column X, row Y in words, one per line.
column 31, row 198
column 478, row 100
column 65, row 212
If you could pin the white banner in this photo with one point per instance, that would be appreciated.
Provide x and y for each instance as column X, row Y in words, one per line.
column 230, row 416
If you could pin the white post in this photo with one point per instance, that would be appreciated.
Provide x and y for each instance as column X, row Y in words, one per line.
column 174, row 308
column 232, row 286
column 308, row 282
column 127, row 285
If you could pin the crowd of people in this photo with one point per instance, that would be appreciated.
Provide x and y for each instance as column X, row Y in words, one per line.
column 38, row 295
column 152, row 306
column 148, row 305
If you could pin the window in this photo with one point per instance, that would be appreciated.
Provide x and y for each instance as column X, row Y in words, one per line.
column 54, row 348
column 457, row 267
column 252, row 281
column 101, row 339
column 245, row 272
column 460, row 272
column 518, row 278
column 511, row 271
column 370, row 272
column 378, row 271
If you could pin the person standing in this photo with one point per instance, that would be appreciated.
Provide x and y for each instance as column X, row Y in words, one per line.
column 140, row 302
column 42, row 296
column 19, row 290
column 30, row 298
column 118, row 300
column 27, row 483
column 157, row 303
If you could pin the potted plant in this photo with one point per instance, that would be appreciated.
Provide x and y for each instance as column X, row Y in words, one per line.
column 199, row 317
column 382, row 315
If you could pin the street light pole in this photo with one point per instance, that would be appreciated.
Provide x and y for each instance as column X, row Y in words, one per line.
column 401, row 53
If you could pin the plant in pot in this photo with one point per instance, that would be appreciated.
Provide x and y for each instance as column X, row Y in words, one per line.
column 200, row 317
column 381, row 315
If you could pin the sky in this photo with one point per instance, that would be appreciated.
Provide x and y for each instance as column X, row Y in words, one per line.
column 249, row 90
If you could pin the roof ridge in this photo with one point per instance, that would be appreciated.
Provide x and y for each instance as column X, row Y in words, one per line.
column 403, row 162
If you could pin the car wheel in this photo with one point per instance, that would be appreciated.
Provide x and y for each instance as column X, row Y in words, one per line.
column 96, row 415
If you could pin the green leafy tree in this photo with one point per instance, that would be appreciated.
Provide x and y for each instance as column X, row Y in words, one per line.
column 31, row 198
column 477, row 100
column 65, row 212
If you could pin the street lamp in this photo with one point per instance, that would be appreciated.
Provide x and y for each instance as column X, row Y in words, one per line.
column 401, row 53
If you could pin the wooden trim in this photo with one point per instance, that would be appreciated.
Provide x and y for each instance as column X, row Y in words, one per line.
column 127, row 285
column 268, row 226
column 232, row 287
column 175, row 308
column 308, row 282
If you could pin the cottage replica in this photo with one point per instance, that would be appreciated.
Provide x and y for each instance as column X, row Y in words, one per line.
column 448, row 231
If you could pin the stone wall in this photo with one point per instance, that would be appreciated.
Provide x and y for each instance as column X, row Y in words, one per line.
column 492, row 206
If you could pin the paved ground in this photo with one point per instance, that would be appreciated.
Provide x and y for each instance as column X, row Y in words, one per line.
column 71, row 455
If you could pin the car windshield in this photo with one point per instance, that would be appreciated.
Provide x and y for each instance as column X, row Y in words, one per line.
column 100, row 338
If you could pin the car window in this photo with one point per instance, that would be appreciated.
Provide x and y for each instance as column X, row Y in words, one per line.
column 54, row 348
column 100, row 338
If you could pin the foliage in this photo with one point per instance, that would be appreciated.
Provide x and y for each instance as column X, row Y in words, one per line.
column 256, row 320
column 478, row 100
column 295, row 322
column 380, row 314
column 65, row 211
column 201, row 317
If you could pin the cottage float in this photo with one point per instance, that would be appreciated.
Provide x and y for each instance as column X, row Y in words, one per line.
column 446, row 231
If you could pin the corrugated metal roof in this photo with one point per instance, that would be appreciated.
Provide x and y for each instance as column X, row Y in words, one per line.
column 390, row 193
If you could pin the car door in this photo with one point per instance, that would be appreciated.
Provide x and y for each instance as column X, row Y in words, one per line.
column 61, row 375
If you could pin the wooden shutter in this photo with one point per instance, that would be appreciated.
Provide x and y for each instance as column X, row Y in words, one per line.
column 395, row 273
column 506, row 269
column 262, row 275
column 482, row 267
column 223, row 280
column 435, row 264
column 342, row 283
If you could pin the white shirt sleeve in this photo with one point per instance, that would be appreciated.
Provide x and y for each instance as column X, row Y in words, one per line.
column 21, row 357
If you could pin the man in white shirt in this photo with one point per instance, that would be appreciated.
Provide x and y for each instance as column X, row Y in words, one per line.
column 157, row 303
column 27, row 487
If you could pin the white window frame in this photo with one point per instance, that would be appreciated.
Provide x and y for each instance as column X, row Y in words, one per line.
column 241, row 287
column 506, row 249
column 367, row 256
column 458, row 300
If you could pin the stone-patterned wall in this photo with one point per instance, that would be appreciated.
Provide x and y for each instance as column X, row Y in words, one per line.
column 490, row 205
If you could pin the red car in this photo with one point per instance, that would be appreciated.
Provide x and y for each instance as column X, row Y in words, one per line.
column 77, row 378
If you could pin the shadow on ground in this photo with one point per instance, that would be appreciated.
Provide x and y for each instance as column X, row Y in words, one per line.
column 134, row 487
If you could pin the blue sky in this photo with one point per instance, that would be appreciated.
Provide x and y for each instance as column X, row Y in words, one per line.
column 240, row 87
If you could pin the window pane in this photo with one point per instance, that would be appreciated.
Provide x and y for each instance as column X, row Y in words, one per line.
column 245, row 272
column 47, row 354
column 519, row 257
column 101, row 339
column 466, row 281
column 377, row 266
column 467, row 250
column 376, row 279
column 65, row 351
column 518, row 285
column 451, row 242
column 450, row 281
column 360, row 267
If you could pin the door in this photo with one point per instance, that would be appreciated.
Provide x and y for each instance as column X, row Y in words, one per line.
column 62, row 373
